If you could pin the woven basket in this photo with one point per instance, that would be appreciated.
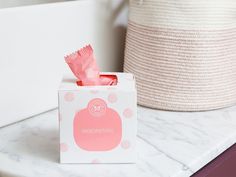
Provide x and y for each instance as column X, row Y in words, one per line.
column 183, row 53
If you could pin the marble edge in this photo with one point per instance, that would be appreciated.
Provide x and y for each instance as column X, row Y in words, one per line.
column 207, row 157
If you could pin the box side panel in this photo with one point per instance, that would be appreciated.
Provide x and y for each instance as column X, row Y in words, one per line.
column 74, row 101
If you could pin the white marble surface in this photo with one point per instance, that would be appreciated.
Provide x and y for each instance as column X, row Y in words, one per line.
column 169, row 144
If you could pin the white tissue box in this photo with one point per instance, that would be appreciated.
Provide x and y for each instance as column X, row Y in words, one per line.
column 98, row 123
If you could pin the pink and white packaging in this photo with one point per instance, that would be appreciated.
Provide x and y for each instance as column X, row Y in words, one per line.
column 98, row 124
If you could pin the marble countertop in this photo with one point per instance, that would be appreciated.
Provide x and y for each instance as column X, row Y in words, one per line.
column 169, row 144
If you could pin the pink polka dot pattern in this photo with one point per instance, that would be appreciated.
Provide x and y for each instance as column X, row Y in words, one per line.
column 69, row 97
column 95, row 161
column 63, row 147
column 125, row 144
column 112, row 98
column 128, row 113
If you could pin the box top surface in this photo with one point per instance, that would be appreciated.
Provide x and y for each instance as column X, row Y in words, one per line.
column 126, row 82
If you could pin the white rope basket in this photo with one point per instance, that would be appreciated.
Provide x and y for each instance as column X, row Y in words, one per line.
column 183, row 53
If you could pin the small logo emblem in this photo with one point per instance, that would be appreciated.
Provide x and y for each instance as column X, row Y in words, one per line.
column 97, row 107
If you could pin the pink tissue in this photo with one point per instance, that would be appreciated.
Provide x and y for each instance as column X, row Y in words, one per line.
column 83, row 64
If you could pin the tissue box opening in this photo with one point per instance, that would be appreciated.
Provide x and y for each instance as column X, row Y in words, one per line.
column 113, row 77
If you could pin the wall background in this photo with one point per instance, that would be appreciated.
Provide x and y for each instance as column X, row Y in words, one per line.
column 111, row 31
column 35, row 39
column 15, row 3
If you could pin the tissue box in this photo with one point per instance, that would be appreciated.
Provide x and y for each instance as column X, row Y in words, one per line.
column 98, row 123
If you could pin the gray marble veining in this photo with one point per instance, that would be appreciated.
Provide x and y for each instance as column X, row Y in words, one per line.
column 169, row 144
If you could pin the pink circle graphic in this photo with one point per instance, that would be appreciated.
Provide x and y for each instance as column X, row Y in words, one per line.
column 63, row 147
column 95, row 161
column 125, row 144
column 112, row 98
column 69, row 97
column 128, row 113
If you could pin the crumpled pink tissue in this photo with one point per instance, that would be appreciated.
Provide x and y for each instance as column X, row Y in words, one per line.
column 83, row 64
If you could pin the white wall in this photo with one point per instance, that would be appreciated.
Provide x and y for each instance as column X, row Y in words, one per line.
column 14, row 3
column 111, row 30
column 34, row 40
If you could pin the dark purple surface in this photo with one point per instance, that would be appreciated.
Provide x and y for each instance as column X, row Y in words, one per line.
column 222, row 166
